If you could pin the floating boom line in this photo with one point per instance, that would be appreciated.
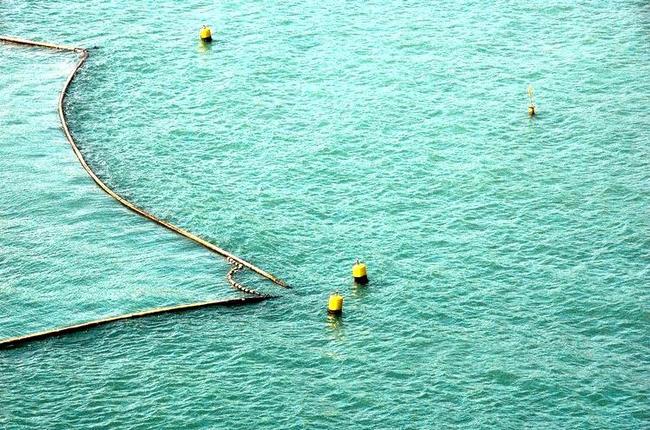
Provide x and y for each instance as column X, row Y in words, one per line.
column 236, row 262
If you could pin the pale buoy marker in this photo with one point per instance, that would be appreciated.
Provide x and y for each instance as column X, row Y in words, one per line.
column 532, row 109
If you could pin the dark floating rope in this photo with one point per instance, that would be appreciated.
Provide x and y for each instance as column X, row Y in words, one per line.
column 230, row 277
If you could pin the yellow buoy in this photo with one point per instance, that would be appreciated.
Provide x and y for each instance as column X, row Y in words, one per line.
column 205, row 34
column 335, row 304
column 359, row 273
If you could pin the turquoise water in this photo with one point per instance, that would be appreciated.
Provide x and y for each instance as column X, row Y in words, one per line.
column 509, row 258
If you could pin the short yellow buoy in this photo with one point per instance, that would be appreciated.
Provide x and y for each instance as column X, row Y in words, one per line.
column 531, row 97
column 359, row 273
column 205, row 34
column 335, row 304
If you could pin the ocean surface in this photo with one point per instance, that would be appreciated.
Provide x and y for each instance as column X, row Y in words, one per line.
column 509, row 257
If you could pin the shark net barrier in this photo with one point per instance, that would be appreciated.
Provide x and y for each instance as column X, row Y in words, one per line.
column 237, row 263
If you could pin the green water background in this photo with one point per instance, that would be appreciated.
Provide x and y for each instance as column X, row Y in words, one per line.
column 509, row 257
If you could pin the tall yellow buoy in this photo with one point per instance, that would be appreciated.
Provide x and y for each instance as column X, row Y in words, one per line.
column 359, row 273
column 335, row 304
column 531, row 96
column 205, row 34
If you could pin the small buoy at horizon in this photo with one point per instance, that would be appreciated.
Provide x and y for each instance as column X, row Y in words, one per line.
column 335, row 304
column 359, row 273
column 531, row 96
column 205, row 34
